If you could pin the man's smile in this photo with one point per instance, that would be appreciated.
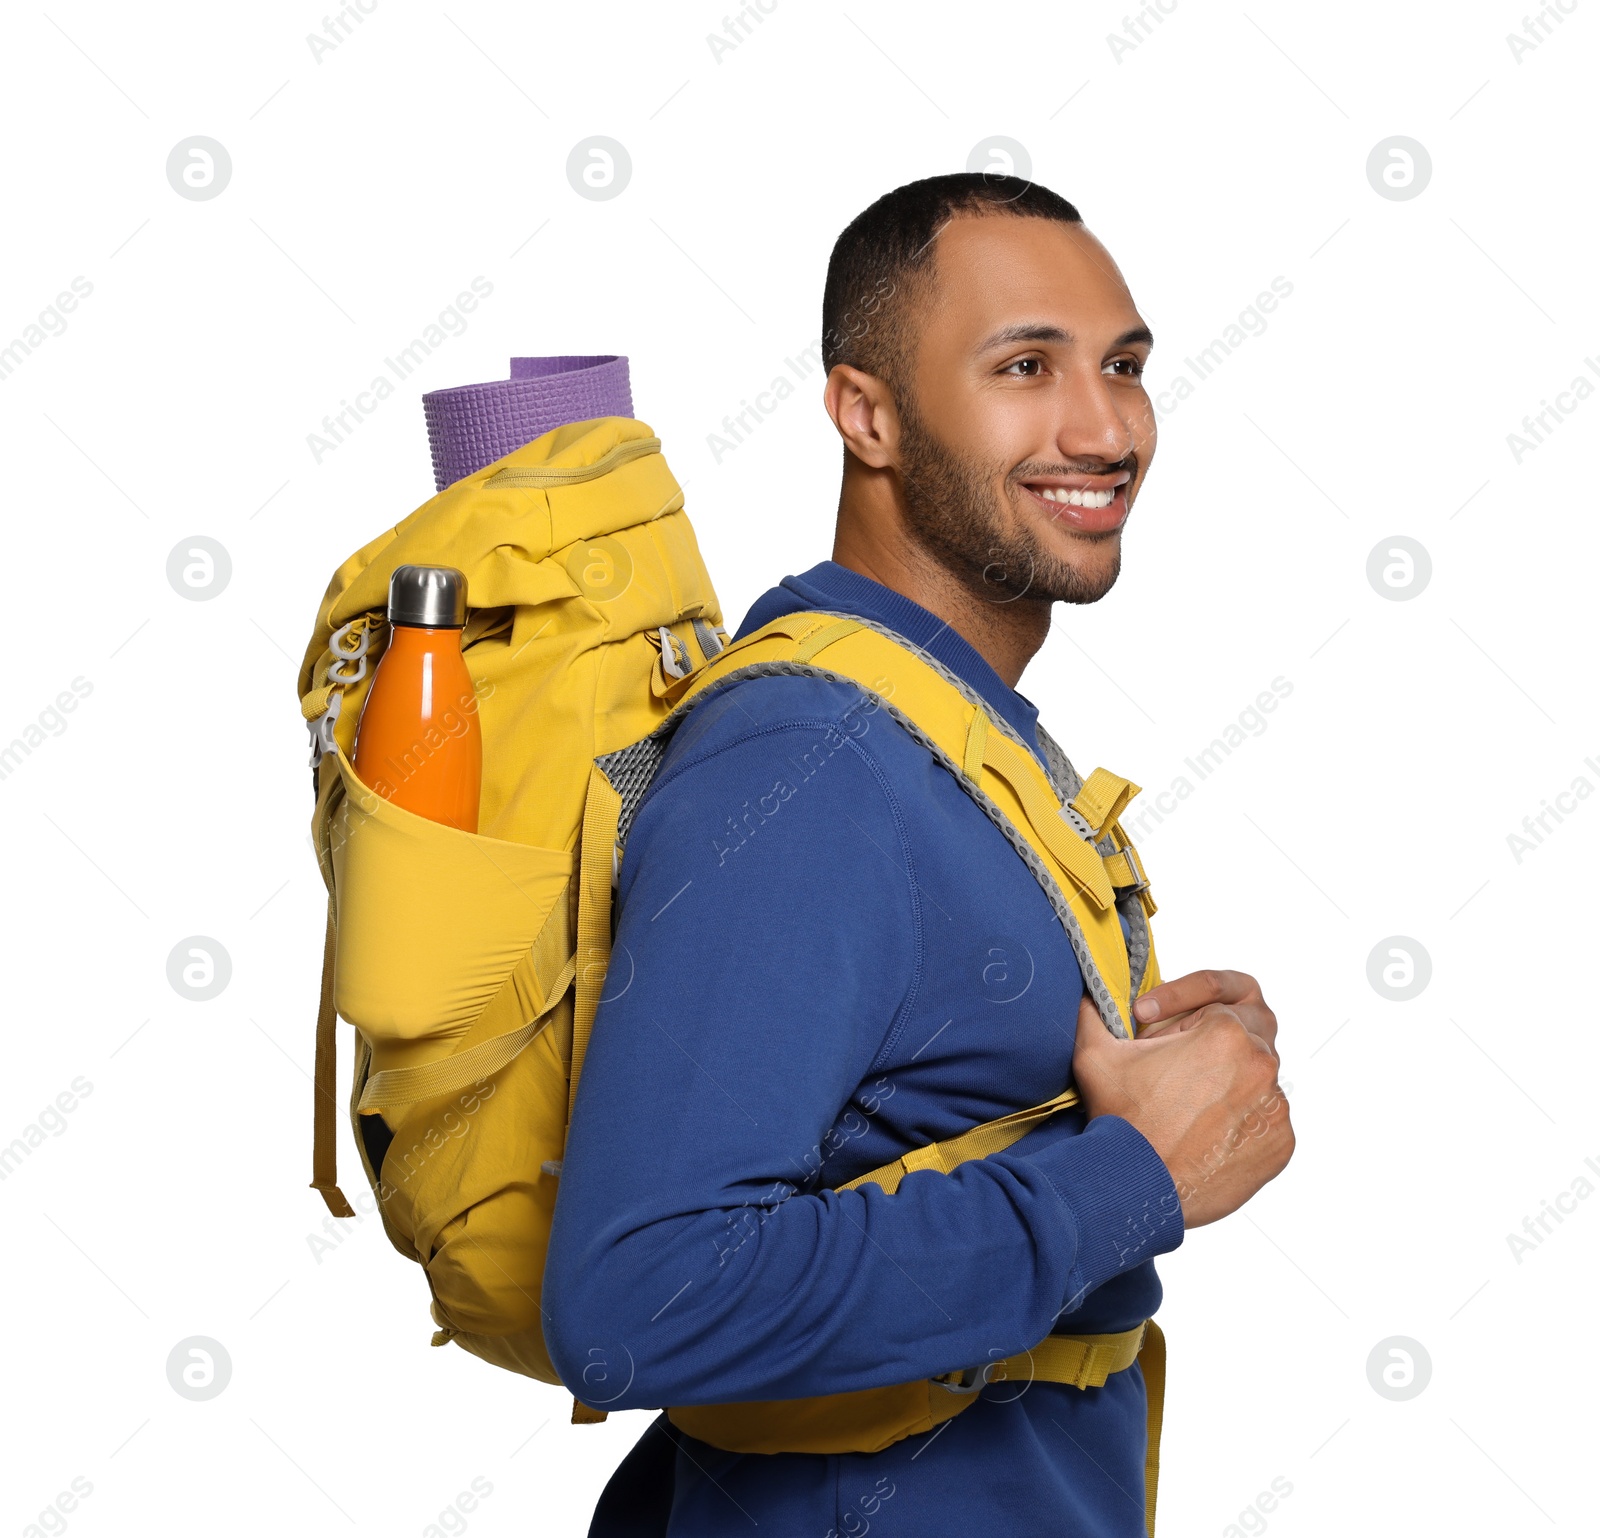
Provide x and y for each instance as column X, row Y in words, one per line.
column 1092, row 504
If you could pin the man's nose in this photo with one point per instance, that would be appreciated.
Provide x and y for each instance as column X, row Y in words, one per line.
column 1091, row 424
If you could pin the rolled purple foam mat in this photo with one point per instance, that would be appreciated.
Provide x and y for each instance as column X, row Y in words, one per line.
column 470, row 426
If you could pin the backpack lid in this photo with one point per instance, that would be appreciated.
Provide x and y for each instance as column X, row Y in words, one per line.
column 583, row 481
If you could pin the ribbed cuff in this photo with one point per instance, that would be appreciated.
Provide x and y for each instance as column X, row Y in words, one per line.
column 1119, row 1196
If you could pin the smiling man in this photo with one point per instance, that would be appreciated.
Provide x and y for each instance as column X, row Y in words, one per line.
column 836, row 957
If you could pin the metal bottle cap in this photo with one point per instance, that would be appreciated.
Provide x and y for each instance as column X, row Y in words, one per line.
column 434, row 597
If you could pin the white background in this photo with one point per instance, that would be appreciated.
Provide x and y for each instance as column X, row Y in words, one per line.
column 428, row 148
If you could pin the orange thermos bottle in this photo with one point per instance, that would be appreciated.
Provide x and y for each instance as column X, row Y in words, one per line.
column 418, row 742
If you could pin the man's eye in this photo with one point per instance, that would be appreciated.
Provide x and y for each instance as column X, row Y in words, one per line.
column 1030, row 366
column 1133, row 367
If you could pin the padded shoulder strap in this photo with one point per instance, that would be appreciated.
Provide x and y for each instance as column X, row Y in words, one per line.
column 1086, row 886
column 986, row 757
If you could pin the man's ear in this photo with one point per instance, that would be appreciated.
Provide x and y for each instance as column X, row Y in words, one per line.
column 863, row 409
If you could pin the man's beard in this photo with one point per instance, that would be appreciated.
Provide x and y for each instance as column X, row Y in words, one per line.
column 950, row 504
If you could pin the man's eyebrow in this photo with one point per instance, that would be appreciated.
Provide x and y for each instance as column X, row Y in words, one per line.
column 1038, row 331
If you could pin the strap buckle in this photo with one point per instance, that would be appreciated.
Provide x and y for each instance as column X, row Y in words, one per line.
column 321, row 729
column 967, row 1381
column 1136, row 865
column 671, row 665
column 1078, row 822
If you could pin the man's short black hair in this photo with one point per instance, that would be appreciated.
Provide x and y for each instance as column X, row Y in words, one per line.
column 882, row 253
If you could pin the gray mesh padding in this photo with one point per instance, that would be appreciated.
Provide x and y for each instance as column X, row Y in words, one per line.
column 1066, row 780
column 632, row 768
column 630, row 771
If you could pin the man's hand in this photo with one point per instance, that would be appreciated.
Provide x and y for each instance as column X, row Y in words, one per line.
column 1203, row 1089
column 1173, row 1006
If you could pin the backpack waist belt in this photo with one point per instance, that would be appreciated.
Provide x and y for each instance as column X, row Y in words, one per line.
column 868, row 1420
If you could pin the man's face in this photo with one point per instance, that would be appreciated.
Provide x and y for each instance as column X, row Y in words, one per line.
column 1025, row 428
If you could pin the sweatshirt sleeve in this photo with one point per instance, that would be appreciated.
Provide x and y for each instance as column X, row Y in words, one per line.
column 767, row 941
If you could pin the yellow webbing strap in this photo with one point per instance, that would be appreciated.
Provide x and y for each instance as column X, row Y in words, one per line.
column 1021, row 771
column 601, row 812
column 602, row 809
column 1153, row 1364
column 826, row 635
column 1082, row 863
column 324, row 1146
column 1124, row 868
column 1102, row 798
column 1105, row 794
column 1084, row 1361
column 975, row 1143
column 977, row 736
column 1088, row 1361
column 403, row 1086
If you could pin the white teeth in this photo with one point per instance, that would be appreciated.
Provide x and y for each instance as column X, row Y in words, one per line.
column 1079, row 498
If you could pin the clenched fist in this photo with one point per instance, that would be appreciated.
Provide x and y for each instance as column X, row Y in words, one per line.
column 1202, row 1086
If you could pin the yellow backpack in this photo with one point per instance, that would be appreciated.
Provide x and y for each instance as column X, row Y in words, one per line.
column 471, row 964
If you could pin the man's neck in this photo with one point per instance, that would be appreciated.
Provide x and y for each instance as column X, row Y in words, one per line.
column 1006, row 632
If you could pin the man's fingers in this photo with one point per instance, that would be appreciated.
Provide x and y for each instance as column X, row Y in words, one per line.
column 1095, row 1036
column 1173, row 1027
column 1260, row 1021
column 1240, row 1015
column 1255, row 1017
column 1194, row 991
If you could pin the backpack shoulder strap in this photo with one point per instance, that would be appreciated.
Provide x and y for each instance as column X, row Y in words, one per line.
column 1075, row 849
column 1066, row 831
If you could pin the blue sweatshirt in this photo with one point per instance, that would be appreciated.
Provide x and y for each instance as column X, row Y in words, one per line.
column 825, row 955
